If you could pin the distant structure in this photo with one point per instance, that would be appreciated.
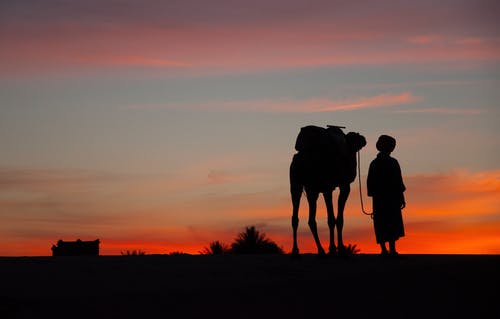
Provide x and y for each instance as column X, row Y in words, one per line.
column 76, row 248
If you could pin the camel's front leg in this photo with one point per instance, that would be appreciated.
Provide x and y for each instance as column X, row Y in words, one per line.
column 343, row 195
column 331, row 221
column 312, row 197
column 296, row 195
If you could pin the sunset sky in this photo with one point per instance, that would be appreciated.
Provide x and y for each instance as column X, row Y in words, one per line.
column 165, row 125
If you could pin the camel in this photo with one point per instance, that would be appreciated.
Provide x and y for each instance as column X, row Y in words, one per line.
column 326, row 159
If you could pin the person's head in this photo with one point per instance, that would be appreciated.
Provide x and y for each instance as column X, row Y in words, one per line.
column 386, row 144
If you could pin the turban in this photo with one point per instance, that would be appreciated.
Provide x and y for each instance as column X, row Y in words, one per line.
column 386, row 143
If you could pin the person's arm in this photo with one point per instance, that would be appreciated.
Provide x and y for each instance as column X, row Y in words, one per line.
column 399, row 175
column 402, row 187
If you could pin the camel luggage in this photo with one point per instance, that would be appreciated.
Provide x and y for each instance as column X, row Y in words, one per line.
column 320, row 140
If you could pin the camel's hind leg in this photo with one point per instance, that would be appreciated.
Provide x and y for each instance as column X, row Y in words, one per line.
column 296, row 188
column 312, row 197
column 331, row 221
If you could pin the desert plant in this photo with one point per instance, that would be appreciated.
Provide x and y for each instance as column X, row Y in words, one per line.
column 351, row 250
column 178, row 253
column 134, row 252
column 251, row 241
column 216, row 248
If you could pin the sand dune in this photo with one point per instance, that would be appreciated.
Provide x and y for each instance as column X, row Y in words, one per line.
column 415, row 286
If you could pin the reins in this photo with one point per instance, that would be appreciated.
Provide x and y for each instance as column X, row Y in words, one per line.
column 360, row 192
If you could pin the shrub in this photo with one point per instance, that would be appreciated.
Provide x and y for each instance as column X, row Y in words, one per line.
column 251, row 241
column 178, row 253
column 134, row 252
column 216, row 248
column 351, row 250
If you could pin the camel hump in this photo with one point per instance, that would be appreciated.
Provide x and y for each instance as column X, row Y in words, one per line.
column 315, row 139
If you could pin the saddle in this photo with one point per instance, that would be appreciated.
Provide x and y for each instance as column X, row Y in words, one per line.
column 320, row 140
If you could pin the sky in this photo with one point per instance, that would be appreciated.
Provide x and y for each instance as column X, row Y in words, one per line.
column 166, row 125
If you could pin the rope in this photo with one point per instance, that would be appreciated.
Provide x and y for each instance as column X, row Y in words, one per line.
column 360, row 192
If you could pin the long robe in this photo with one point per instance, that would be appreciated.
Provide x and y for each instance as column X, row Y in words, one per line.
column 385, row 186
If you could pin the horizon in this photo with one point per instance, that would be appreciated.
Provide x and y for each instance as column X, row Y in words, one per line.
column 166, row 126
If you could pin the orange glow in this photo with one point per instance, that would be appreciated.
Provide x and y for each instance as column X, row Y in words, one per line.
column 448, row 213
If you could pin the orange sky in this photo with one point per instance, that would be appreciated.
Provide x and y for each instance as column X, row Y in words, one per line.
column 449, row 213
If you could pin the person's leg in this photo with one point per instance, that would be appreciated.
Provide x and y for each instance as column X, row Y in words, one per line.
column 392, row 247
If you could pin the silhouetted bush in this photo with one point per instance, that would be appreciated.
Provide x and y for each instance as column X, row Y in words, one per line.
column 178, row 253
column 351, row 250
column 251, row 241
column 134, row 252
column 216, row 248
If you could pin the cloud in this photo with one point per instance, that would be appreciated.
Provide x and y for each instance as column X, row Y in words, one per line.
column 383, row 100
column 442, row 111
column 424, row 39
column 48, row 180
column 131, row 60
column 312, row 105
column 458, row 183
column 231, row 37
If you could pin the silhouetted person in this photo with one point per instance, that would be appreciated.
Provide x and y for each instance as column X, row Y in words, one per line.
column 385, row 185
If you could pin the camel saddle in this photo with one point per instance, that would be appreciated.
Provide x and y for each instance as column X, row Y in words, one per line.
column 320, row 140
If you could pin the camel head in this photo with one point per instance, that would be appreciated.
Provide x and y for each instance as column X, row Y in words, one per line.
column 355, row 141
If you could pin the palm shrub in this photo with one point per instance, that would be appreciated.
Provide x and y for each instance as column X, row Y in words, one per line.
column 252, row 241
column 351, row 250
column 216, row 248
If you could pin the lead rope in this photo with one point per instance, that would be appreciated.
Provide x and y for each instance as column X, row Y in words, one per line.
column 360, row 192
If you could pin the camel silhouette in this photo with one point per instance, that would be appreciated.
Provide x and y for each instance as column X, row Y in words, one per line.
column 326, row 159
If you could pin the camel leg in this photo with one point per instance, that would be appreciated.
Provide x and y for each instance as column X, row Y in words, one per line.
column 343, row 195
column 296, row 195
column 312, row 197
column 296, row 188
column 331, row 221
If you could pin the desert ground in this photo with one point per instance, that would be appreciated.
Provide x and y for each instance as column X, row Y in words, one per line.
column 250, row 286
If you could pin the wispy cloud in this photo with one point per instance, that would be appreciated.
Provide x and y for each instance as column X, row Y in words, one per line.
column 312, row 105
column 47, row 179
column 442, row 111
column 459, row 193
column 382, row 100
column 458, row 182
column 129, row 60
column 424, row 39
